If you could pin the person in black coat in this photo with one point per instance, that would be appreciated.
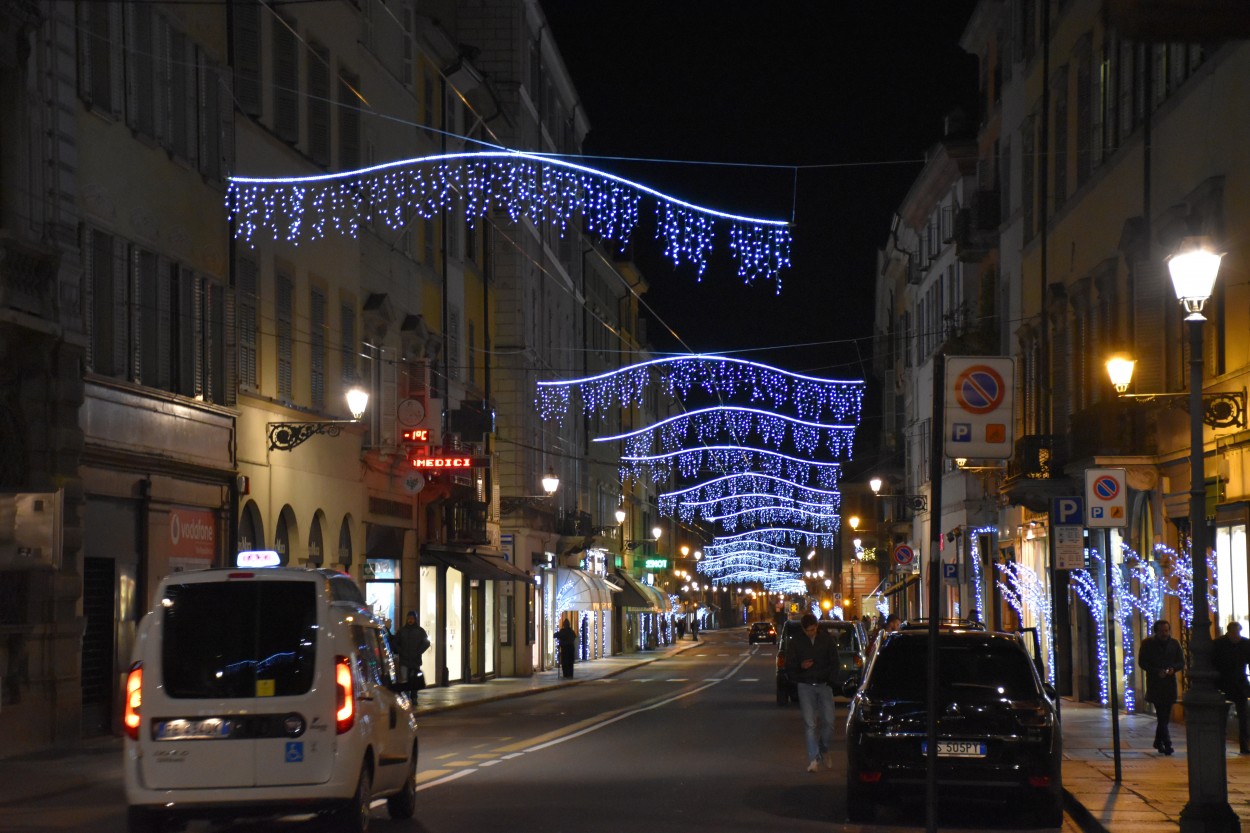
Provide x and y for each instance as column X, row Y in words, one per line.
column 812, row 664
column 1231, row 655
column 566, row 638
column 1160, row 658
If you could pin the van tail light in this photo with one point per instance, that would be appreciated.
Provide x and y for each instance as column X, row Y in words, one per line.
column 344, row 696
column 134, row 701
column 859, row 660
column 869, row 776
column 1042, row 781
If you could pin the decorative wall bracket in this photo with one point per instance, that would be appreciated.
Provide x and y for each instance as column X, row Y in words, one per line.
column 285, row 436
column 1222, row 409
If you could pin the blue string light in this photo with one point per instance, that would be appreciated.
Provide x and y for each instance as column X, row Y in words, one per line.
column 540, row 189
column 1025, row 592
column 708, row 424
column 733, row 458
column 784, row 535
column 825, row 401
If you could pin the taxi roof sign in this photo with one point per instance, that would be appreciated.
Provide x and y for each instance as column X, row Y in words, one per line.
column 258, row 558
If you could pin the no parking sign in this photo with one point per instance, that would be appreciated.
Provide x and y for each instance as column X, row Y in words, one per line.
column 1106, row 498
column 979, row 406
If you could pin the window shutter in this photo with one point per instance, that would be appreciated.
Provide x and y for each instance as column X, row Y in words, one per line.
column 283, row 303
column 88, row 292
column 349, row 122
column 285, row 81
column 1151, row 286
column 245, row 311
column 317, row 347
column 200, row 343
column 389, row 384
column 223, row 124
column 319, row 104
column 227, row 351
column 164, row 324
column 247, row 57
column 140, row 68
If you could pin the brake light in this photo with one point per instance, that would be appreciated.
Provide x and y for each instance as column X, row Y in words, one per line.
column 869, row 776
column 134, row 701
column 859, row 661
column 1039, row 780
column 344, row 697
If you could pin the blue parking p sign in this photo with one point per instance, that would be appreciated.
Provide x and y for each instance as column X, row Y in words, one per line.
column 1067, row 511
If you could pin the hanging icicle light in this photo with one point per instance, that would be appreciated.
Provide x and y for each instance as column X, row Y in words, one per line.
column 827, row 401
column 752, row 482
column 710, row 424
column 692, row 461
column 539, row 189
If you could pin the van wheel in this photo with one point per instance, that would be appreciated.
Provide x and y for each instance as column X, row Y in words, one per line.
column 144, row 820
column 353, row 817
column 403, row 804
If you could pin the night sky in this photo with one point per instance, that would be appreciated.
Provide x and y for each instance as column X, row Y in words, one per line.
column 820, row 111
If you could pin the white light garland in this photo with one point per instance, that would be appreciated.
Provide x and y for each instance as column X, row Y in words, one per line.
column 827, row 401
column 1025, row 591
column 710, row 424
column 540, row 189
column 729, row 458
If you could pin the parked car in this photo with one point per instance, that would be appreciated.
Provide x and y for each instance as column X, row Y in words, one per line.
column 265, row 692
column 998, row 731
column 762, row 632
column 852, row 642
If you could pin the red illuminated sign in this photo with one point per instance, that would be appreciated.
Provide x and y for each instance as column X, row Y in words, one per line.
column 416, row 435
column 450, row 462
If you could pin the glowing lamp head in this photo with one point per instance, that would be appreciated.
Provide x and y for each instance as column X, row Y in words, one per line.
column 875, row 484
column 1194, row 267
column 620, row 516
column 550, row 481
column 1120, row 369
column 357, row 401
column 685, row 550
column 656, row 532
column 853, row 521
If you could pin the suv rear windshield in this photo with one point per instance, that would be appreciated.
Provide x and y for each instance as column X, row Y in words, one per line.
column 239, row 639
column 997, row 668
column 845, row 637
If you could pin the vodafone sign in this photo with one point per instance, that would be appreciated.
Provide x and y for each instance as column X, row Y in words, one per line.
column 192, row 533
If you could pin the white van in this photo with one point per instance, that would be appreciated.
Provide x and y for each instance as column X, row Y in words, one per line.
column 263, row 692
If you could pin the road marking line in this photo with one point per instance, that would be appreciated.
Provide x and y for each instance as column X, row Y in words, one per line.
column 490, row 763
column 512, row 755
column 445, row 779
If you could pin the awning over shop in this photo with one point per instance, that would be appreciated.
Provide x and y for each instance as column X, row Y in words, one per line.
column 630, row 596
column 580, row 590
column 635, row 594
column 660, row 600
column 474, row 564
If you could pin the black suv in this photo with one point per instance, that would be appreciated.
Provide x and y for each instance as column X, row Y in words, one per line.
column 998, row 727
column 851, row 640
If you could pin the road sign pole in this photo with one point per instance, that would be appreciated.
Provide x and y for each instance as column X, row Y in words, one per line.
column 936, row 457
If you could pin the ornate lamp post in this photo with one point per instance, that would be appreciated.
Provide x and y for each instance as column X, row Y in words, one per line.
column 1194, row 268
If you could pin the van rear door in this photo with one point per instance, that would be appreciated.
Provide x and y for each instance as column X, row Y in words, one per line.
column 234, row 668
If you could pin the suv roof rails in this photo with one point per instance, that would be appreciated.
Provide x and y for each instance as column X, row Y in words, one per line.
column 953, row 624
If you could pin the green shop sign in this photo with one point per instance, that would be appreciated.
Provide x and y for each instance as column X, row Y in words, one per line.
column 656, row 564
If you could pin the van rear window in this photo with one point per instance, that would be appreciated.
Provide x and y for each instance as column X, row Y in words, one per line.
column 238, row 639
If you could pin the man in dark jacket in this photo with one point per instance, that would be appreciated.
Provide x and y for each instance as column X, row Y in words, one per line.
column 812, row 664
column 410, row 643
column 566, row 639
column 1160, row 658
column 1231, row 654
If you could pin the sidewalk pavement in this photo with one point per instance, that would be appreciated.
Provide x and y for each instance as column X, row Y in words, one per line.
column 1149, row 798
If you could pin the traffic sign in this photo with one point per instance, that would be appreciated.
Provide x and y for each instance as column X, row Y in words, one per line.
column 1106, row 498
column 950, row 572
column 1069, row 544
column 1067, row 511
column 979, row 406
column 904, row 555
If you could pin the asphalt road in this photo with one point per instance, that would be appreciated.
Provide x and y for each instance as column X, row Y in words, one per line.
column 692, row 742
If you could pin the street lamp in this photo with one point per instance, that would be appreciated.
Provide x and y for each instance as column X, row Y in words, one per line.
column 285, row 436
column 1194, row 268
column 1220, row 409
column 918, row 503
column 550, row 482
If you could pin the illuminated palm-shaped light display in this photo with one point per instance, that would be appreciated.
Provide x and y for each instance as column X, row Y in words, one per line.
column 521, row 186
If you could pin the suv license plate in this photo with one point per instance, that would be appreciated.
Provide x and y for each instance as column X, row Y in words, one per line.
column 209, row 728
column 957, row 748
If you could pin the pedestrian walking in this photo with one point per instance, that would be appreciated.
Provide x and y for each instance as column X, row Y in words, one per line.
column 694, row 629
column 1160, row 658
column 566, row 638
column 681, row 629
column 812, row 662
column 1231, row 655
column 410, row 643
